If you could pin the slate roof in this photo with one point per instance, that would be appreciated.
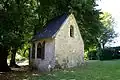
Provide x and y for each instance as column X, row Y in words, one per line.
column 51, row 28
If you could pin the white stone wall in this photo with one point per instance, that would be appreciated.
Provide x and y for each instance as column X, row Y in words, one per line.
column 69, row 50
column 49, row 60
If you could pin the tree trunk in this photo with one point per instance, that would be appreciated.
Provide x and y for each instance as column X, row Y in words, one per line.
column 12, row 61
column 3, row 60
column 103, row 45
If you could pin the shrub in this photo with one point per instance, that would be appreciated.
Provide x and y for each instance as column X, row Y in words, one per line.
column 107, row 54
column 92, row 55
column 104, row 54
column 116, row 55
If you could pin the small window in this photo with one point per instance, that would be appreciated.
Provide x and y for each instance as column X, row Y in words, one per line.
column 39, row 47
column 71, row 31
column 33, row 51
column 41, row 50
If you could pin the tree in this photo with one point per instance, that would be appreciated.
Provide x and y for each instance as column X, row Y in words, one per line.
column 108, row 33
column 15, row 23
column 4, row 40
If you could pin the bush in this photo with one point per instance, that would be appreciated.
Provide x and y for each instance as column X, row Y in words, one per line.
column 106, row 54
column 92, row 55
column 116, row 55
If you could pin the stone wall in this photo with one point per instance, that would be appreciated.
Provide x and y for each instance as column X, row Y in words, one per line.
column 69, row 51
column 49, row 61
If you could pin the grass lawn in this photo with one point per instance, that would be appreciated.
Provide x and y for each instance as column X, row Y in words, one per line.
column 92, row 70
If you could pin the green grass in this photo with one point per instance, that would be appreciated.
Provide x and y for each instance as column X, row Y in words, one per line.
column 92, row 70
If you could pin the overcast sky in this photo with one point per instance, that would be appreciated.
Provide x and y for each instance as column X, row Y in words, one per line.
column 113, row 7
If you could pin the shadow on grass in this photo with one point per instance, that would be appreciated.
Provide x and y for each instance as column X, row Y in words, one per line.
column 22, row 73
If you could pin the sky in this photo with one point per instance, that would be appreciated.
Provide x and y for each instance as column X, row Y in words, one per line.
column 113, row 7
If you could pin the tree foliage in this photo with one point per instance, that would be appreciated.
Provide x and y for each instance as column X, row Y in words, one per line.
column 108, row 33
column 15, row 24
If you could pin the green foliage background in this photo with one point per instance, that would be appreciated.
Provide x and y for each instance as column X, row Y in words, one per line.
column 21, row 19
